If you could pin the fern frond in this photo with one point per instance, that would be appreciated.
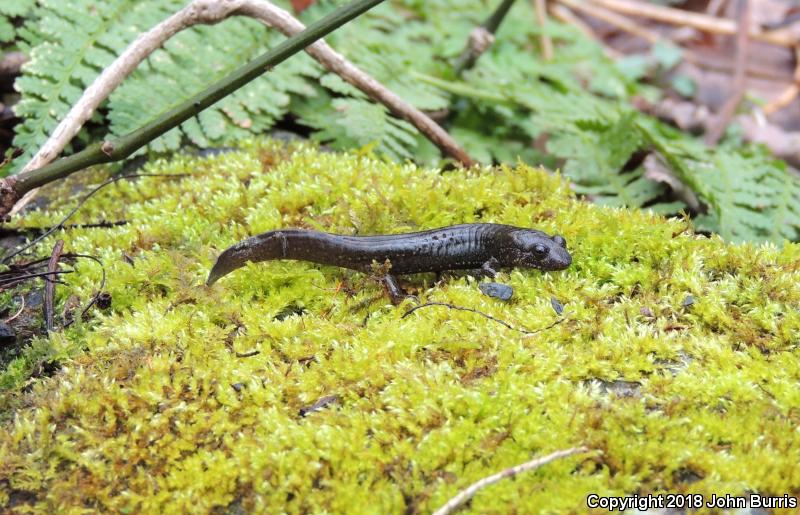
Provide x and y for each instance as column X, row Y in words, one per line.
column 750, row 195
column 7, row 32
column 10, row 10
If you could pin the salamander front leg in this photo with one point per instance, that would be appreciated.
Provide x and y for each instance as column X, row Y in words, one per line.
column 489, row 269
column 394, row 290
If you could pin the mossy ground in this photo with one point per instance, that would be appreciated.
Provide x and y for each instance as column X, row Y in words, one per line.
column 156, row 409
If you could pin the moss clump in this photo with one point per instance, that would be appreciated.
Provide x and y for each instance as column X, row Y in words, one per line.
column 164, row 413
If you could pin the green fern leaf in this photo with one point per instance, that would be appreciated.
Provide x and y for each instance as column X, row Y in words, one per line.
column 16, row 8
column 358, row 123
column 750, row 195
column 10, row 9
column 7, row 32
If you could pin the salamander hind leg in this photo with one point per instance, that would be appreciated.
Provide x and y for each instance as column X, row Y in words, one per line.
column 396, row 293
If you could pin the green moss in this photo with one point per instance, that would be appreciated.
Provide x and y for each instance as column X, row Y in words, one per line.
column 699, row 398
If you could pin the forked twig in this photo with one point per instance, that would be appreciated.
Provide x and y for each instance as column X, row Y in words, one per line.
column 789, row 94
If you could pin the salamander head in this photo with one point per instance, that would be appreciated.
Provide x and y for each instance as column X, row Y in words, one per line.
column 535, row 249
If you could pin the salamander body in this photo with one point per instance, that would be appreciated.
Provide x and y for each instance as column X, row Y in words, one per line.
column 458, row 247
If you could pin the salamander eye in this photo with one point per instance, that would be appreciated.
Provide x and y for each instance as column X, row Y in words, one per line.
column 540, row 250
column 560, row 241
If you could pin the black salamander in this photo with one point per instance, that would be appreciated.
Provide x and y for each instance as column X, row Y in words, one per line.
column 458, row 247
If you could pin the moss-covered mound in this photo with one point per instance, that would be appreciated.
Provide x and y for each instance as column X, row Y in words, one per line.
column 678, row 361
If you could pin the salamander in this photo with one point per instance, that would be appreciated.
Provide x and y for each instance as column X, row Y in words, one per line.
column 458, row 247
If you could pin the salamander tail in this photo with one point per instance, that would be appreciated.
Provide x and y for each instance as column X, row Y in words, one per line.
column 263, row 247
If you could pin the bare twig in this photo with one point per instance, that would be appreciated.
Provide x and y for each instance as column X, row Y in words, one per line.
column 197, row 12
column 540, row 8
column 786, row 97
column 698, row 21
column 560, row 11
column 50, row 285
column 485, row 315
column 716, row 131
column 20, row 231
column 15, row 267
column 10, row 279
column 468, row 493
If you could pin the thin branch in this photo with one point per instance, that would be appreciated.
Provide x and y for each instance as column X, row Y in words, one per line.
column 50, row 285
column 468, row 493
column 197, row 12
column 12, row 188
column 540, row 9
column 485, row 315
column 628, row 25
column 716, row 131
column 15, row 267
column 715, row 7
column 28, row 230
